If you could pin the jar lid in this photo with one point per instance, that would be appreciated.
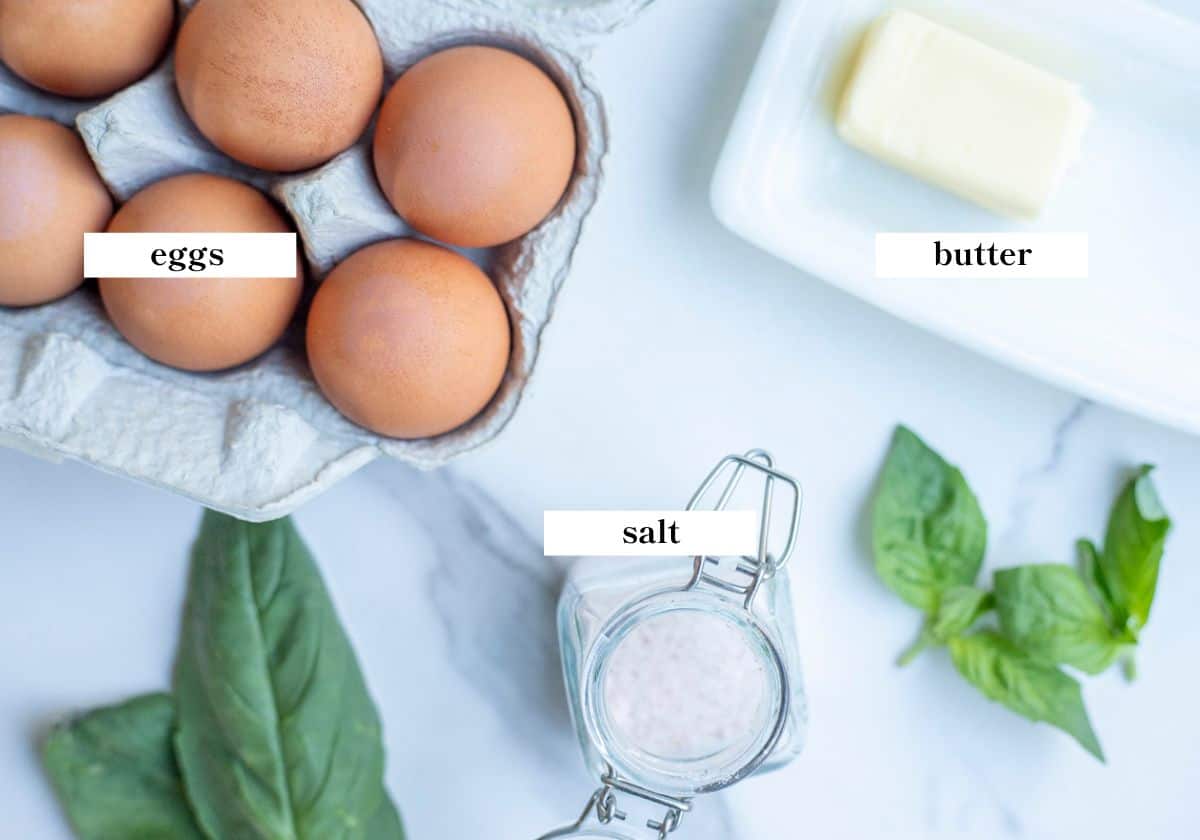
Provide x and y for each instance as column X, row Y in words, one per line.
column 685, row 692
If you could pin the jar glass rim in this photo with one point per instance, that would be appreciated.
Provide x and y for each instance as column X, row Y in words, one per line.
column 685, row 777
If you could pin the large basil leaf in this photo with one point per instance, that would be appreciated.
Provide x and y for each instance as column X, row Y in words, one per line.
column 278, row 738
column 1040, row 692
column 1051, row 615
column 928, row 532
column 1133, row 548
column 115, row 773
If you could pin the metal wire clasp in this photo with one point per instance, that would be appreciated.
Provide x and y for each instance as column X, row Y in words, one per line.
column 603, row 805
column 765, row 565
column 605, row 801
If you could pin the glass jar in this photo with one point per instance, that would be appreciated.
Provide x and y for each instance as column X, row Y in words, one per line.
column 683, row 675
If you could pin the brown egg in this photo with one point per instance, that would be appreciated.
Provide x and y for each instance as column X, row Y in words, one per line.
column 50, row 196
column 279, row 84
column 84, row 48
column 201, row 323
column 408, row 339
column 475, row 146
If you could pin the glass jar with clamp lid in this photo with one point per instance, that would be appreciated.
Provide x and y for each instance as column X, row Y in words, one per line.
column 683, row 676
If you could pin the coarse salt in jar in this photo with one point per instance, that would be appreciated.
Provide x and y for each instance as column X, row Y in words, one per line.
column 683, row 675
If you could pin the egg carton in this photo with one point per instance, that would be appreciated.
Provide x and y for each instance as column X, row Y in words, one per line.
column 260, row 440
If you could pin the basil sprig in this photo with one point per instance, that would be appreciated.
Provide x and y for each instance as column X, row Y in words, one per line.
column 270, row 734
column 929, row 540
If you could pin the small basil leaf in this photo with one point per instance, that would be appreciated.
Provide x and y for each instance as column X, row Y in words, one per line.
column 278, row 738
column 1037, row 691
column 928, row 532
column 1089, row 569
column 1133, row 548
column 116, row 776
column 960, row 608
column 1049, row 613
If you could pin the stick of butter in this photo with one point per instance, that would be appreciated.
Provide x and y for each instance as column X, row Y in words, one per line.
column 962, row 115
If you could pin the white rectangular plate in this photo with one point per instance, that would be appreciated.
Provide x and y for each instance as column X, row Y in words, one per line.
column 1130, row 333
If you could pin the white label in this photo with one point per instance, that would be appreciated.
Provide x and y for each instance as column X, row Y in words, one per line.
column 250, row 255
column 650, row 533
column 1046, row 256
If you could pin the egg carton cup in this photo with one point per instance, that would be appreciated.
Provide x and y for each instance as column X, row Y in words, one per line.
column 260, row 440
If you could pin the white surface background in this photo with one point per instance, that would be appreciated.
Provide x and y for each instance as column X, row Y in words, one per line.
column 673, row 344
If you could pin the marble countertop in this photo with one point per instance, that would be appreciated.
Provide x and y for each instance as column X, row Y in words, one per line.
column 673, row 344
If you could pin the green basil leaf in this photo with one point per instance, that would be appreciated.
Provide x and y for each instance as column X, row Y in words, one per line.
column 278, row 737
column 116, row 776
column 1133, row 548
column 1089, row 569
column 386, row 824
column 1037, row 691
column 960, row 608
column 1051, row 615
column 928, row 532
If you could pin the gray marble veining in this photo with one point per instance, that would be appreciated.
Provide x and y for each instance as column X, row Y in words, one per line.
column 1031, row 480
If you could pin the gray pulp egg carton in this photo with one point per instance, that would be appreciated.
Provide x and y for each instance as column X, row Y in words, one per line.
column 260, row 440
